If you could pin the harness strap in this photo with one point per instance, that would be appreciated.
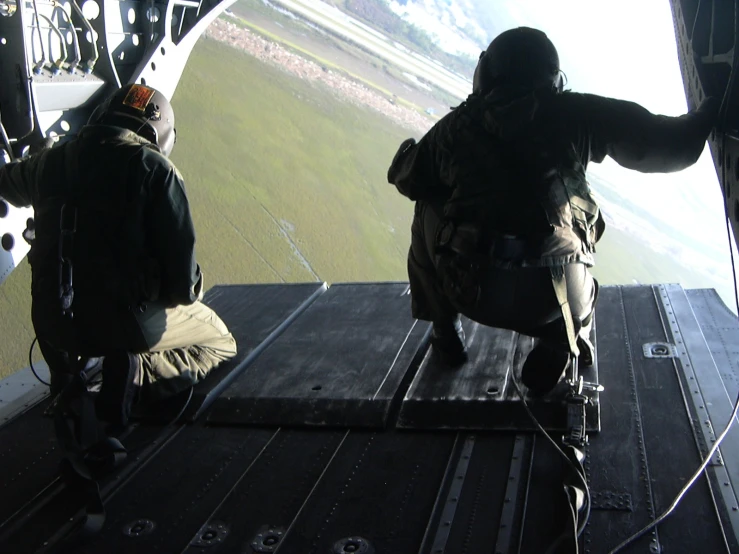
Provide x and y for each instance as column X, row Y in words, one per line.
column 86, row 449
column 67, row 230
column 560, row 290
column 575, row 486
column 76, row 431
column 468, row 240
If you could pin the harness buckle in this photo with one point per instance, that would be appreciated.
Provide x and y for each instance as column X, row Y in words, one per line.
column 68, row 227
column 576, row 421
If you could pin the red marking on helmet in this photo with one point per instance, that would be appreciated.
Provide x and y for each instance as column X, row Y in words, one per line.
column 138, row 97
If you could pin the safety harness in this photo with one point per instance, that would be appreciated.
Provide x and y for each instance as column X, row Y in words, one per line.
column 86, row 449
column 575, row 224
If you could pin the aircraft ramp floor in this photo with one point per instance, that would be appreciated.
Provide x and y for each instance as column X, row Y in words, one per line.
column 336, row 429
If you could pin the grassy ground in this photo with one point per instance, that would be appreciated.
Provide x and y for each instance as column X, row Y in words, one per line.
column 621, row 259
column 297, row 176
column 287, row 184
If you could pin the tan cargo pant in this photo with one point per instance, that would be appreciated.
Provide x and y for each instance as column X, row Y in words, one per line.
column 184, row 344
column 522, row 300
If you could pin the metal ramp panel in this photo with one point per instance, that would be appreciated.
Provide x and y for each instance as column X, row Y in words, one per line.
column 255, row 315
column 340, row 363
column 234, row 486
column 349, row 359
column 481, row 394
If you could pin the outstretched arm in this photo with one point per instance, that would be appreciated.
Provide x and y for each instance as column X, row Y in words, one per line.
column 640, row 140
column 17, row 181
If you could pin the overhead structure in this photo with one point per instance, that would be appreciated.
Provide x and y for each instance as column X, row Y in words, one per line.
column 58, row 58
column 706, row 35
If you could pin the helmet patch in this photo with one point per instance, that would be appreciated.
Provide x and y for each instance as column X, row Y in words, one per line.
column 138, row 97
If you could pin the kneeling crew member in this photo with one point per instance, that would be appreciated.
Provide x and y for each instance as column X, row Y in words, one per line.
column 113, row 261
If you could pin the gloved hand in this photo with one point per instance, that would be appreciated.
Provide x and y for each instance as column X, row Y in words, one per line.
column 406, row 144
column 29, row 233
column 708, row 112
column 40, row 145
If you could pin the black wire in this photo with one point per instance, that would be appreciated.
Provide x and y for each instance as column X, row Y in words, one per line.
column 182, row 411
column 721, row 128
column 685, row 488
column 723, row 113
column 6, row 140
column 728, row 236
column 171, row 423
column 566, row 534
column 708, row 456
column 30, row 362
column 572, row 466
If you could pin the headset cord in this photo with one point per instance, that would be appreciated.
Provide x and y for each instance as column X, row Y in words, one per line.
column 30, row 362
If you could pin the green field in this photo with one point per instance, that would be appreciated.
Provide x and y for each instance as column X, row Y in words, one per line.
column 621, row 259
column 287, row 184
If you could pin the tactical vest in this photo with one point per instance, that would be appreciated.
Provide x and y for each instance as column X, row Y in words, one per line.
column 509, row 168
column 112, row 271
column 573, row 214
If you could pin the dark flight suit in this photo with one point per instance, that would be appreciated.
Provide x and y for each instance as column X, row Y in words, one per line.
column 492, row 172
column 137, row 286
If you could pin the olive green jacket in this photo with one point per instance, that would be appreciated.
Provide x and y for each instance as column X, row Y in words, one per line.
column 134, row 239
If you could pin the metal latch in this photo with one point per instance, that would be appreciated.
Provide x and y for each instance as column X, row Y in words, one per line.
column 576, row 404
column 576, row 420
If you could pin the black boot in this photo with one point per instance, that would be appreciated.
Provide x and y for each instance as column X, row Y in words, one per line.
column 545, row 367
column 118, row 391
column 448, row 341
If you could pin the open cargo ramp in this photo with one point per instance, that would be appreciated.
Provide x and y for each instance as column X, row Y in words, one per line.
column 336, row 430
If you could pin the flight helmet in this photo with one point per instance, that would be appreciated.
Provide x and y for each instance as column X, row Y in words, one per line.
column 522, row 57
column 141, row 109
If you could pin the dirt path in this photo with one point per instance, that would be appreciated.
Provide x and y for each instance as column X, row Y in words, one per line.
column 346, row 88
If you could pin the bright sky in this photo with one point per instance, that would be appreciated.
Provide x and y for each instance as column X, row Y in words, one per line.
column 605, row 49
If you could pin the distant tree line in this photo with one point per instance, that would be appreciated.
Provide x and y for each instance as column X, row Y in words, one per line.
column 379, row 14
